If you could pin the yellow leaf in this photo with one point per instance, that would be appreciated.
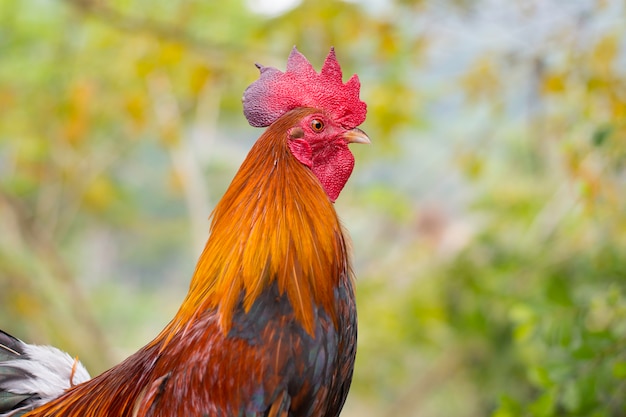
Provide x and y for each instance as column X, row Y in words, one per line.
column 100, row 194
column 481, row 80
column 135, row 105
column 618, row 109
column 171, row 54
column 604, row 54
column 198, row 79
column 76, row 126
column 554, row 83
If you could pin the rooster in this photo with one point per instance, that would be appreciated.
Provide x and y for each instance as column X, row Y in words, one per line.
column 268, row 327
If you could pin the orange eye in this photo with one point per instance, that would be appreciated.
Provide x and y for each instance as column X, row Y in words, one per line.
column 317, row 125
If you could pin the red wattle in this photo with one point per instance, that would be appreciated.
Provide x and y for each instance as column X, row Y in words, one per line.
column 334, row 170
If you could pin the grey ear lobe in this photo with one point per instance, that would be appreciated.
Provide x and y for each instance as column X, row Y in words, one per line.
column 296, row 133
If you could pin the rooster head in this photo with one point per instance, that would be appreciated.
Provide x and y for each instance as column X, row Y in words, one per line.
column 318, row 138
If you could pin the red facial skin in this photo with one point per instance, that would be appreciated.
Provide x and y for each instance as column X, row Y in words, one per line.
column 319, row 143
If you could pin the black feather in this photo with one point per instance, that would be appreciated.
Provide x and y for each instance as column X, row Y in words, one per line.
column 10, row 401
column 13, row 349
column 10, row 347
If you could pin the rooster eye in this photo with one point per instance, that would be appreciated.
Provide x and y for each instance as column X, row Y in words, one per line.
column 317, row 125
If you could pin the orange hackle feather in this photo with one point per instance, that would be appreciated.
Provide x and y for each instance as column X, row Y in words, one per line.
column 275, row 224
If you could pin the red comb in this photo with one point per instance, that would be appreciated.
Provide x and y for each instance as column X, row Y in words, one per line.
column 277, row 92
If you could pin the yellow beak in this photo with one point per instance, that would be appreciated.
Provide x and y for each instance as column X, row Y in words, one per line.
column 356, row 135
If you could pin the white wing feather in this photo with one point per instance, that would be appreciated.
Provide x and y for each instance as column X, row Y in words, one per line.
column 42, row 373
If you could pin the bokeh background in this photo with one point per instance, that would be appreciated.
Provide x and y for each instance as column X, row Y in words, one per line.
column 488, row 215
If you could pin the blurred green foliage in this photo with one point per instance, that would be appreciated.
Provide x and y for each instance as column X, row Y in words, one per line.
column 489, row 217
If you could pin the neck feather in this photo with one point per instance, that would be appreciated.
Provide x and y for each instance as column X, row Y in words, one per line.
column 274, row 223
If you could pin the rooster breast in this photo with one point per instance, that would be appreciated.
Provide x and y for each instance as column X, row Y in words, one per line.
column 267, row 364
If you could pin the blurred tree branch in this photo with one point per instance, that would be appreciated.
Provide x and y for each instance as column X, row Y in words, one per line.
column 442, row 371
column 41, row 244
column 185, row 164
column 100, row 10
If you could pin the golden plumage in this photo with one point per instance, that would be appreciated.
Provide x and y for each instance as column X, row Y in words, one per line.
column 274, row 238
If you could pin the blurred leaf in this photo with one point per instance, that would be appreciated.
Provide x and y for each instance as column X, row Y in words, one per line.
column 544, row 405
column 619, row 370
column 601, row 134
